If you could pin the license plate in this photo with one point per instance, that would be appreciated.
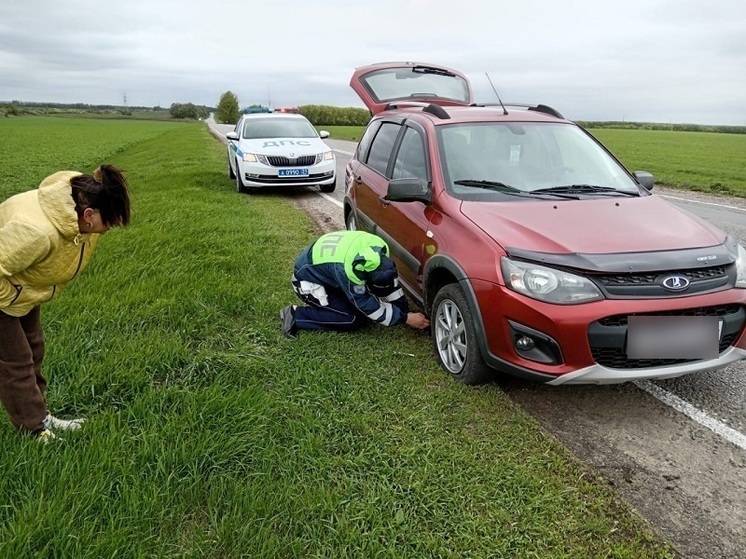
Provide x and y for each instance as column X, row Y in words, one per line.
column 673, row 337
column 292, row 173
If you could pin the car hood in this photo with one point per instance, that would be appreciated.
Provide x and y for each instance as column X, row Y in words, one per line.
column 592, row 226
column 291, row 147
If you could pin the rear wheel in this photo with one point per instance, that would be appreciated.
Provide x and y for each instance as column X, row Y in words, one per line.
column 328, row 187
column 240, row 188
column 455, row 337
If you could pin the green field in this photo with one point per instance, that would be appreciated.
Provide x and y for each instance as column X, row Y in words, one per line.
column 705, row 161
column 211, row 436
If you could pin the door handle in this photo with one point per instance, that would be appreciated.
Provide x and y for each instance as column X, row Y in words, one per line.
column 358, row 179
column 383, row 201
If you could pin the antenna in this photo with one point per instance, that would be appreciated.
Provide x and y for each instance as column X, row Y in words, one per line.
column 505, row 111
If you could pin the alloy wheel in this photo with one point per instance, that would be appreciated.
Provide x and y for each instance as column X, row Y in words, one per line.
column 450, row 336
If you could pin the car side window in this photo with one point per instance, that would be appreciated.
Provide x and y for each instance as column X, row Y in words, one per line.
column 362, row 147
column 383, row 143
column 410, row 161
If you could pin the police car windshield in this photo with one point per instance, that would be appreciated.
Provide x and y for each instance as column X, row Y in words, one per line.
column 256, row 128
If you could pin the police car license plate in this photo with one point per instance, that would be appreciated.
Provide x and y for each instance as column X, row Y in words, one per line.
column 673, row 337
column 292, row 173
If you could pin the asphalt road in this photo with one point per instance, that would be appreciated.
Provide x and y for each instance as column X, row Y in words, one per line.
column 682, row 474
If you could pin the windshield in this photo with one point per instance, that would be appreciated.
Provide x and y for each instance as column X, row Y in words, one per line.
column 411, row 83
column 260, row 128
column 525, row 156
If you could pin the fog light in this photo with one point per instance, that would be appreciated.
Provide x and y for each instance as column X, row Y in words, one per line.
column 524, row 343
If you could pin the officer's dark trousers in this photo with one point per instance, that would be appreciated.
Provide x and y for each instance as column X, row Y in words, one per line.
column 339, row 314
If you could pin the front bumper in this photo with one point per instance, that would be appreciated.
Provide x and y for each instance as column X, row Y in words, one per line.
column 259, row 175
column 572, row 326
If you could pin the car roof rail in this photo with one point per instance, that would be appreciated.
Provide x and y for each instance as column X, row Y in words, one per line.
column 546, row 109
column 431, row 108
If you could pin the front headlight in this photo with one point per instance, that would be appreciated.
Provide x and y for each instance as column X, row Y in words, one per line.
column 328, row 156
column 548, row 284
column 255, row 158
column 741, row 268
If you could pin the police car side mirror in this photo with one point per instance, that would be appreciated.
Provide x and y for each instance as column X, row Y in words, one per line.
column 323, row 134
column 645, row 179
column 409, row 190
column 232, row 136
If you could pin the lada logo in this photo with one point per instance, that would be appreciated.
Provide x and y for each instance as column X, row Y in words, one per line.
column 676, row 283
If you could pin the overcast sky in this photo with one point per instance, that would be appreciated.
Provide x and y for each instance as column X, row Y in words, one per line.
column 654, row 60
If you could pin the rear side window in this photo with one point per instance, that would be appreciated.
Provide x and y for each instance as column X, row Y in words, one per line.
column 362, row 147
column 380, row 151
column 410, row 161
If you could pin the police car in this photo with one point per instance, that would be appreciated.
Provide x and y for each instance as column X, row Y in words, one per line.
column 279, row 149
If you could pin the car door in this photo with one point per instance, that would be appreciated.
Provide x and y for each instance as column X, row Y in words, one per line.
column 372, row 179
column 404, row 225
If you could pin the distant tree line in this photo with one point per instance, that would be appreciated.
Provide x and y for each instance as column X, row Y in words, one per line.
column 189, row 110
column 327, row 115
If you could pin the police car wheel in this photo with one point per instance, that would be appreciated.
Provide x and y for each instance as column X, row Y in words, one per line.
column 455, row 338
column 240, row 188
column 328, row 187
column 231, row 174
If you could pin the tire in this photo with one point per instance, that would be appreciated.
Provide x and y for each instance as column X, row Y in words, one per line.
column 351, row 221
column 231, row 174
column 240, row 188
column 328, row 187
column 457, row 353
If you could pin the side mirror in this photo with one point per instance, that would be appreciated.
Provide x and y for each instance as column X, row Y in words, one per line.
column 645, row 179
column 409, row 190
column 232, row 136
column 323, row 134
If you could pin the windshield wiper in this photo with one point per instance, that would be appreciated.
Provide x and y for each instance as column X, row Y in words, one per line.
column 587, row 189
column 507, row 189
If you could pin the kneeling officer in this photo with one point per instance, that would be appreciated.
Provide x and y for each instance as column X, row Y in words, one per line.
column 347, row 278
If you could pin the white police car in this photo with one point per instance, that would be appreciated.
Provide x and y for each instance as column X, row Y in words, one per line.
column 279, row 149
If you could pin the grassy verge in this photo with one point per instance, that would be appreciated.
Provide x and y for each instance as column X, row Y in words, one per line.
column 705, row 161
column 212, row 436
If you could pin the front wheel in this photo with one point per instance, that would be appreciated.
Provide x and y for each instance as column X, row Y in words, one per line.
column 350, row 221
column 455, row 337
column 231, row 174
column 328, row 187
column 240, row 188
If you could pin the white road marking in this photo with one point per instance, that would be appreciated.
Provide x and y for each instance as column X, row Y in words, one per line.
column 332, row 200
column 343, row 152
column 714, row 425
column 701, row 202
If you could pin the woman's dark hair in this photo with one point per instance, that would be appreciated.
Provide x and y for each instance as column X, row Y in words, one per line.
column 105, row 191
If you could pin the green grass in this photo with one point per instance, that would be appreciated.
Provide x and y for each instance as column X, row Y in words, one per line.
column 34, row 147
column 696, row 160
column 351, row 133
column 210, row 435
column 705, row 161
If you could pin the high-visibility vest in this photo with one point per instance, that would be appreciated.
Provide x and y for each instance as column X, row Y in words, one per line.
column 358, row 251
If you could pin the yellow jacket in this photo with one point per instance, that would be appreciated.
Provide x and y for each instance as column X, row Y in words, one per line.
column 41, row 246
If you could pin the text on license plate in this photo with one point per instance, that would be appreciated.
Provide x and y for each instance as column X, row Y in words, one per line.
column 673, row 337
column 292, row 173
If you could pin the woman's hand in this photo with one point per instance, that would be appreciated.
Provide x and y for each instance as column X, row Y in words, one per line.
column 417, row 320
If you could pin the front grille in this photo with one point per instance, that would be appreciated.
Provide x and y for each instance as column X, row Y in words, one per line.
column 647, row 278
column 313, row 178
column 608, row 336
column 722, row 310
column 282, row 161
column 616, row 358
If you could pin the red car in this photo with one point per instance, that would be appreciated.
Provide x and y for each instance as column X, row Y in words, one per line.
column 532, row 248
